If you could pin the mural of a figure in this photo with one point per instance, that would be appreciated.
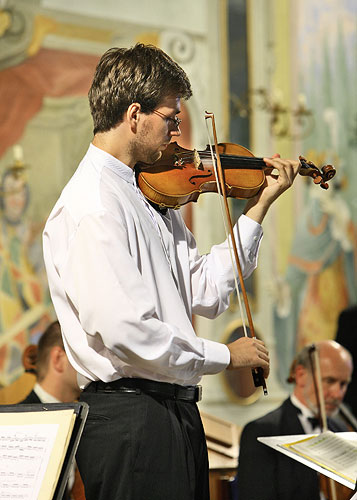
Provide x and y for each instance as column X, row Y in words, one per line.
column 25, row 309
column 321, row 277
column 317, row 284
column 23, row 298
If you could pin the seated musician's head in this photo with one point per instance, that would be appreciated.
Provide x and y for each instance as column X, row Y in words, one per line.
column 55, row 374
column 336, row 368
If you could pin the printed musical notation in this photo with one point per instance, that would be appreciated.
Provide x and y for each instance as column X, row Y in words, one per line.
column 24, row 457
column 331, row 454
column 330, row 451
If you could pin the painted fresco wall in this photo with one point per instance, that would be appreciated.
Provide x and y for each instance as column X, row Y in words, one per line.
column 48, row 52
column 43, row 102
column 321, row 276
column 303, row 54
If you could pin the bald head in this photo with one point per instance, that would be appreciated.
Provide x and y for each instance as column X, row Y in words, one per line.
column 334, row 350
column 336, row 369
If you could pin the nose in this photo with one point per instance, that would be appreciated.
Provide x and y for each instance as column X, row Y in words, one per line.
column 175, row 132
column 337, row 391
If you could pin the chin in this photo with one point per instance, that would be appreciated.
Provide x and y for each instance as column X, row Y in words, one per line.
column 149, row 160
column 333, row 412
column 156, row 156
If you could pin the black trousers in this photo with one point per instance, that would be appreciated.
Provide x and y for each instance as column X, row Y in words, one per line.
column 139, row 447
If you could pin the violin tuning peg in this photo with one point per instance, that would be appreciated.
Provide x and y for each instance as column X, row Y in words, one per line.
column 317, row 179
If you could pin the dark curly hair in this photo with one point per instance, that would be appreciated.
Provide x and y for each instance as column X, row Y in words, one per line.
column 143, row 74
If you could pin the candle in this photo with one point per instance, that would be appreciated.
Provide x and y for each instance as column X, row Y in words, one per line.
column 301, row 99
column 18, row 154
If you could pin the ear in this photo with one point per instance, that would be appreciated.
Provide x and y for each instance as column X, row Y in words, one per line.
column 301, row 375
column 133, row 115
column 57, row 358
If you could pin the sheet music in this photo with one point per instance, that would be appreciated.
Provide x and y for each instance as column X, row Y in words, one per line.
column 33, row 445
column 24, row 455
column 279, row 444
column 329, row 451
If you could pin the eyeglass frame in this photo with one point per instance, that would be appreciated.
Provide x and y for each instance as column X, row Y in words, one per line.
column 176, row 121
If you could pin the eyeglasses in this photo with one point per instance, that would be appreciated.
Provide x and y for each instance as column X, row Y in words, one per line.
column 176, row 121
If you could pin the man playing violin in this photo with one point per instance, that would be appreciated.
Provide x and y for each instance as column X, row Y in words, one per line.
column 283, row 478
column 125, row 280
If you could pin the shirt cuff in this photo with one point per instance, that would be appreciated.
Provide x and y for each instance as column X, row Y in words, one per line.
column 250, row 236
column 217, row 357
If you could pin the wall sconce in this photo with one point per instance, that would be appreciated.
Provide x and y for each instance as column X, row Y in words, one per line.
column 18, row 167
column 295, row 123
column 14, row 189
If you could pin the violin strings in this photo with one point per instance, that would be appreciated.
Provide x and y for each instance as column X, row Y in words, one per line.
column 252, row 163
column 207, row 154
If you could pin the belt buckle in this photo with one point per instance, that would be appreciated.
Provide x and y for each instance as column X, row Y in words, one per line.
column 198, row 393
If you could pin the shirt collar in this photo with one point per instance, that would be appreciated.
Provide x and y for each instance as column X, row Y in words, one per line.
column 305, row 411
column 44, row 396
column 107, row 160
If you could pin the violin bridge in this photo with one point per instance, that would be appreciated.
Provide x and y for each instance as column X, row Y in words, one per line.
column 197, row 160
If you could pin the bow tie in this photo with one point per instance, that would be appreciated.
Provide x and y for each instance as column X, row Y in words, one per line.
column 314, row 421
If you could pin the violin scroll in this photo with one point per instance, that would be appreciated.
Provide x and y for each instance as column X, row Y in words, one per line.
column 319, row 176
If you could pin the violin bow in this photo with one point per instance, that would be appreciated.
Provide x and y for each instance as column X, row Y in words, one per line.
column 257, row 373
column 317, row 379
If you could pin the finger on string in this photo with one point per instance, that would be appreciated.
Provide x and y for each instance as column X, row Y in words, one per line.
column 276, row 162
column 277, row 165
column 282, row 166
column 268, row 170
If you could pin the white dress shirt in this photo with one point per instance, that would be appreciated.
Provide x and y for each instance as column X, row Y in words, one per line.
column 43, row 395
column 125, row 280
column 304, row 415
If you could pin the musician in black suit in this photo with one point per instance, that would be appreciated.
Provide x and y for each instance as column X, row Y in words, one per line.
column 56, row 378
column 31, row 398
column 264, row 473
column 347, row 336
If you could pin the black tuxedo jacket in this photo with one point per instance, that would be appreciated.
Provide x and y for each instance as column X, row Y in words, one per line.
column 347, row 336
column 266, row 474
column 31, row 398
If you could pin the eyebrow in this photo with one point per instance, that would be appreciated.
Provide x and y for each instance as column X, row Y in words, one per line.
column 334, row 379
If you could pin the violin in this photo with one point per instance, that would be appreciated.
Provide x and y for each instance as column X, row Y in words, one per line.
column 182, row 175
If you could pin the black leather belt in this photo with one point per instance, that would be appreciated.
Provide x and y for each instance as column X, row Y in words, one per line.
column 162, row 390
